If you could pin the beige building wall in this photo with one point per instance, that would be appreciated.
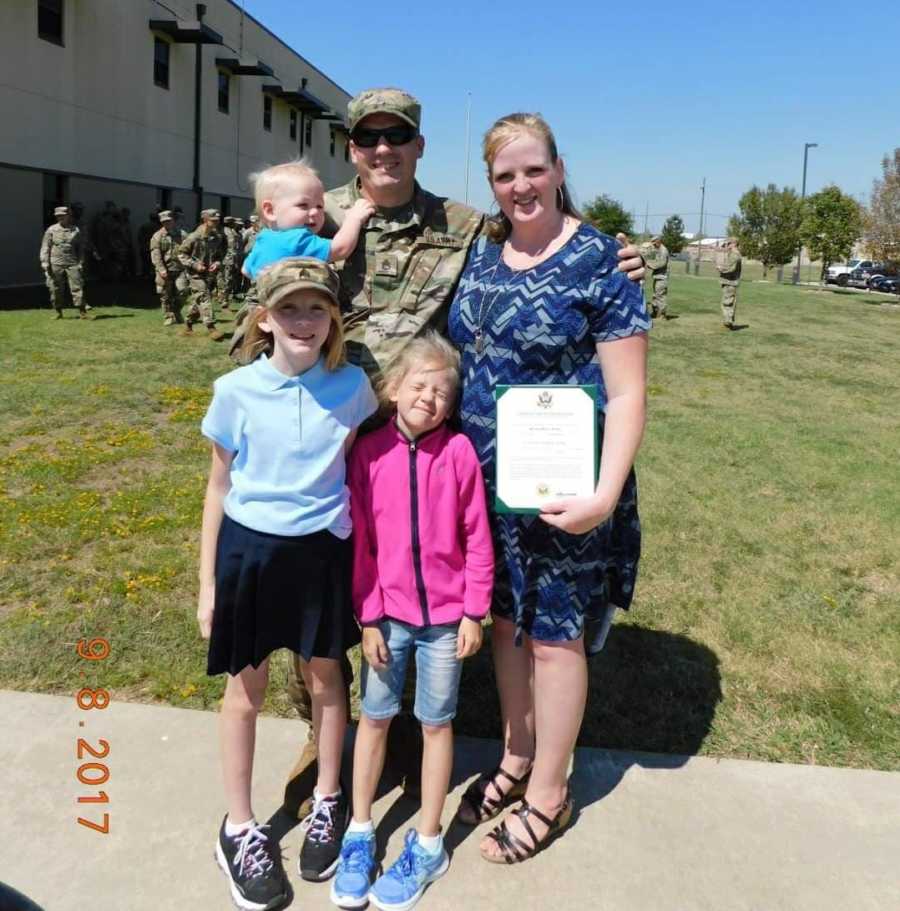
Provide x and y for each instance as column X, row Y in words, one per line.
column 90, row 109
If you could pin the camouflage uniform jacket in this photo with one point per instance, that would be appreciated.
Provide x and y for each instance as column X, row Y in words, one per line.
column 730, row 268
column 201, row 248
column 232, row 245
column 164, row 250
column 656, row 258
column 62, row 247
column 400, row 279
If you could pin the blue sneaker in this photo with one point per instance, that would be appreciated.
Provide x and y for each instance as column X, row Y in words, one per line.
column 403, row 884
column 350, row 886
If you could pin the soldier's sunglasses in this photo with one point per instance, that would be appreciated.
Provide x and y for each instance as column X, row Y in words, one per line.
column 393, row 136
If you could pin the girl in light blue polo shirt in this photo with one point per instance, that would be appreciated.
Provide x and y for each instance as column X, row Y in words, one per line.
column 275, row 555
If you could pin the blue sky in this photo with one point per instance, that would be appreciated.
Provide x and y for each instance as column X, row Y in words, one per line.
column 645, row 99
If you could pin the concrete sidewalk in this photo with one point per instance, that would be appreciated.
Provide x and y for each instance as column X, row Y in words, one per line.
column 654, row 833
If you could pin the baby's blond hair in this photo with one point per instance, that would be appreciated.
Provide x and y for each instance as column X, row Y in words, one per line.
column 274, row 180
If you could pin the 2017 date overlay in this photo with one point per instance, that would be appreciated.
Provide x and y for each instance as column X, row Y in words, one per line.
column 93, row 773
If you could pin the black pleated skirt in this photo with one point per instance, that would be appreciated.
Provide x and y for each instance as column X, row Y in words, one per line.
column 279, row 592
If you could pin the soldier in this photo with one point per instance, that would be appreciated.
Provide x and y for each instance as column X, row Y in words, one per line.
column 729, row 266
column 250, row 301
column 398, row 282
column 225, row 284
column 201, row 255
column 656, row 257
column 171, row 283
column 62, row 259
column 145, row 232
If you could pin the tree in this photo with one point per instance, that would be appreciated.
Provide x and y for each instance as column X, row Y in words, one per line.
column 832, row 223
column 672, row 234
column 768, row 227
column 609, row 216
column 882, row 222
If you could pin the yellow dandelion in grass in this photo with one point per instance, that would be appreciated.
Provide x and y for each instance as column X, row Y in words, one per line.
column 188, row 690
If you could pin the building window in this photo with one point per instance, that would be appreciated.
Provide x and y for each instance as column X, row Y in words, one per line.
column 293, row 124
column 56, row 192
column 225, row 206
column 308, row 137
column 161, row 63
column 224, row 91
column 332, row 144
column 267, row 112
column 50, row 20
column 346, row 149
column 164, row 198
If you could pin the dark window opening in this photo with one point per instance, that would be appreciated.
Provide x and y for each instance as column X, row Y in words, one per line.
column 293, row 124
column 50, row 20
column 56, row 192
column 332, row 145
column 225, row 206
column 224, row 91
column 267, row 112
column 164, row 198
column 161, row 63
column 346, row 150
column 308, row 138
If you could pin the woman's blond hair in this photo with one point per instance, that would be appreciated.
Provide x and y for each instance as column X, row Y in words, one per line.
column 504, row 131
column 257, row 341
column 431, row 349
column 276, row 179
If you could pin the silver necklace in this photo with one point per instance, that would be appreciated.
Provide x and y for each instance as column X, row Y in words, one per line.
column 485, row 308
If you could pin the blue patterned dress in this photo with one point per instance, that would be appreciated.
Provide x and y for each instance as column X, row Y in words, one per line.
column 541, row 325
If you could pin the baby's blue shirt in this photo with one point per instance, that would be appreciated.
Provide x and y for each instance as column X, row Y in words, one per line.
column 288, row 435
column 271, row 245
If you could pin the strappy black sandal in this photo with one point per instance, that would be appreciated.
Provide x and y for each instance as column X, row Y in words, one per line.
column 513, row 849
column 483, row 805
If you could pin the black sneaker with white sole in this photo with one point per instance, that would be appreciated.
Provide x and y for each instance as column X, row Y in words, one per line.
column 253, row 867
column 325, row 827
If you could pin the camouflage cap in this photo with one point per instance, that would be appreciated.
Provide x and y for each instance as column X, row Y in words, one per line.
column 385, row 101
column 254, row 219
column 209, row 213
column 165, row 215
column 298, row 273
column 61, row 210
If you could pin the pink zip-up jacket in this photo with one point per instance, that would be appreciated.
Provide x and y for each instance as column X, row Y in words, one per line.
column 422, row 550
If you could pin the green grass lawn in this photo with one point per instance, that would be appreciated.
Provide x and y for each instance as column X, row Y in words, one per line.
column 765, row 623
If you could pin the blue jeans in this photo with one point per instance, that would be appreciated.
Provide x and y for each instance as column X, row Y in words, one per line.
column 437, row 673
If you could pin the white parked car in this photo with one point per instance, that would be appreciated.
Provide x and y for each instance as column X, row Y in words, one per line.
column 833, row 273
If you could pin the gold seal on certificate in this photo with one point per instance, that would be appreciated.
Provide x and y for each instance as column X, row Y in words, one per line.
column 546, row 445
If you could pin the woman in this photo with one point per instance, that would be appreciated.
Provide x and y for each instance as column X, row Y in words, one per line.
column 541, row 301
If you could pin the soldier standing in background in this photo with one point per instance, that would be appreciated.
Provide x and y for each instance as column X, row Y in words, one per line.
column 729, row 266
column 225, row 285
column 251, row 300
column 62, row 259
column 201, row 255
column 171, row 284
column 145, row 232
column 656, row 257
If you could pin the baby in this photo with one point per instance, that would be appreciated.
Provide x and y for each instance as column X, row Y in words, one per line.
column 290, row 200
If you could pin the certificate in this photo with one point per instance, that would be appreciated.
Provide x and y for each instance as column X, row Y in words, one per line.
column 546, row 445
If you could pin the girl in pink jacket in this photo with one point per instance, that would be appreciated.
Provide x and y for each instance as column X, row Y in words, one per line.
column 422, row 580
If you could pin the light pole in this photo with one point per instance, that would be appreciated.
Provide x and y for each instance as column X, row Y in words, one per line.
column 806, row 147
column 700, row 229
